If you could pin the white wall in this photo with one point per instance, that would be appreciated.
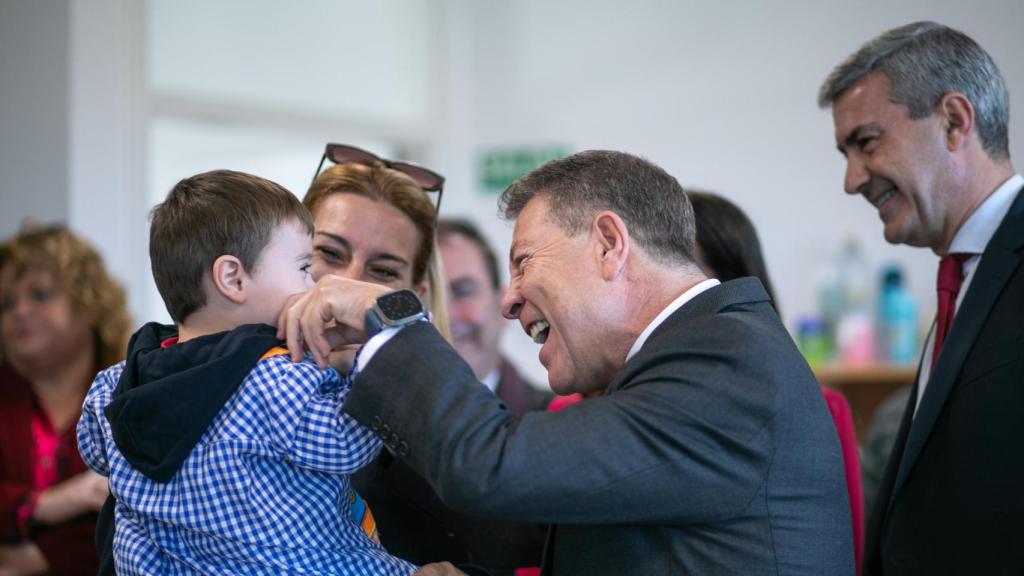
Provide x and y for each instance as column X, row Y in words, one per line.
column 721, row 94
column 107, row 148
column 33, row 112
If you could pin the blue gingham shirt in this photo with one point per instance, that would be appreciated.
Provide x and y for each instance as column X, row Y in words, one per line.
column 264, row 491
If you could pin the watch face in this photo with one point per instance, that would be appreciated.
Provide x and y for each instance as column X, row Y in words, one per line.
column 399, row 305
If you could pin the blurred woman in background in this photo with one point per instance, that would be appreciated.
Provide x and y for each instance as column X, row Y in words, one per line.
column 63, row 318
column 727, row 243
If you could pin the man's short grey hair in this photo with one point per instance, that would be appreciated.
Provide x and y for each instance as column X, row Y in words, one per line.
column 924, row 61
column 651, row 202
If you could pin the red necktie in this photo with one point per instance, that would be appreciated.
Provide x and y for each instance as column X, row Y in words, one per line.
column 951, row 270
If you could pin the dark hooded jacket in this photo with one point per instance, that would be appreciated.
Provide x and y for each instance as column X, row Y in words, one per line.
column 167, row 397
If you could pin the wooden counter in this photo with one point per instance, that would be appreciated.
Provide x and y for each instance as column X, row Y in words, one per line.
column 865, row 387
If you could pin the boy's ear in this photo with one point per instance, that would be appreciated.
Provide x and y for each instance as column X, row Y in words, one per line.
column 229, row 278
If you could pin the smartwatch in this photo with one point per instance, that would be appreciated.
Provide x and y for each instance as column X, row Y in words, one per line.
column 395, row 308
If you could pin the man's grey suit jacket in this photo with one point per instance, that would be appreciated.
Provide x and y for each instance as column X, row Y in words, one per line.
column 712, row 451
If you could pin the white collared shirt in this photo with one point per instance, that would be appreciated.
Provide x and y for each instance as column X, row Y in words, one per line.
column 491, row 380
column 667, row 311
column 972, row 238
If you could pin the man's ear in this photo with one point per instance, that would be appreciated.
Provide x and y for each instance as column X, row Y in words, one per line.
column 229, row 278
column 612, row 243
column 957, row 115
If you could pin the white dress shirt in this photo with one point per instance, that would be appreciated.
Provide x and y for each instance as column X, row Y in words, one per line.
column 491, row 380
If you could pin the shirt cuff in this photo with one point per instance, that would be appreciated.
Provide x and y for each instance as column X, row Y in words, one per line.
column 367, row 351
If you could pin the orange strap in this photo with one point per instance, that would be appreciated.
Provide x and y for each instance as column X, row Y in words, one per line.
column 275, row 351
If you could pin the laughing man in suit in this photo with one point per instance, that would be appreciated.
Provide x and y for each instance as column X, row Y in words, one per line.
column 921, row 116
column 711, row 450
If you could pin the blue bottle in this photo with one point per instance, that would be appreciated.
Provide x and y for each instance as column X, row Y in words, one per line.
column 897, row 319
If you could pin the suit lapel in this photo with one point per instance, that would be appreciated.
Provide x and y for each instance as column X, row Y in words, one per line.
column 997, row 264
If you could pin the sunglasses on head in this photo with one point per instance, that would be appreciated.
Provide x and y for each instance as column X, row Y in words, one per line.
column 426, row 178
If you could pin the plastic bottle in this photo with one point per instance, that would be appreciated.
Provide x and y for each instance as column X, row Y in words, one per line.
column 830, row 303
column 811, row 340
column 855, row 326
column 897, row 319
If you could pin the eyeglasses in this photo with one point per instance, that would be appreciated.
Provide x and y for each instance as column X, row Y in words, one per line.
column 425, row 178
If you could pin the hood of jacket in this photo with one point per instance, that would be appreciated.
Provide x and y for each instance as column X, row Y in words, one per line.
column 168, row 396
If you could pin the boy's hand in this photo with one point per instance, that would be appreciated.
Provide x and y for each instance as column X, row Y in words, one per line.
column 328, row 316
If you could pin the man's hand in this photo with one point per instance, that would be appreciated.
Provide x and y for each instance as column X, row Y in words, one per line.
column 328, row 316
column 439, row 569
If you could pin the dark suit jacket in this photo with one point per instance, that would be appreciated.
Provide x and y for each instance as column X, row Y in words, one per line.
column 951, row 500
column 711, row 453
column 415, row 525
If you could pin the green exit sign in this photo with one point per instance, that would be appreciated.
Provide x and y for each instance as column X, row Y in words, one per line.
column 500, row 167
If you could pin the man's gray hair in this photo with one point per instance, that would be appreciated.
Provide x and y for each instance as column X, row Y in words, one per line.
column 651, row 202
column 924, row 61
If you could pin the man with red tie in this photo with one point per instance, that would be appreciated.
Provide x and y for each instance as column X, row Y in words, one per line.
column 921, row 117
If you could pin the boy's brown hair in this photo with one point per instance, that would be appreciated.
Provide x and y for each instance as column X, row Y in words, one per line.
column 209, row 215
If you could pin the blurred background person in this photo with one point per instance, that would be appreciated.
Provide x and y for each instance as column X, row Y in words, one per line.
column 377, row 224
column 727, row 242
column 728, row 248
column 881, row 436
column 63, row 319
column 474, row 313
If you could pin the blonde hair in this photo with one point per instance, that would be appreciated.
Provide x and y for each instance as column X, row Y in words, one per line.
column 382, row 184
column 80, row 273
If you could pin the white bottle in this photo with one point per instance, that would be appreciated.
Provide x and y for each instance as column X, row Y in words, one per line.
column 854, row 327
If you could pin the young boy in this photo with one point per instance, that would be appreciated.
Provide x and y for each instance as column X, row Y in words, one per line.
column 223, row 455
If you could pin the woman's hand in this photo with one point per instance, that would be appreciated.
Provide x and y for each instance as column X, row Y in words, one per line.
column 79, row 494
column 328, row 316
column 22, row 559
